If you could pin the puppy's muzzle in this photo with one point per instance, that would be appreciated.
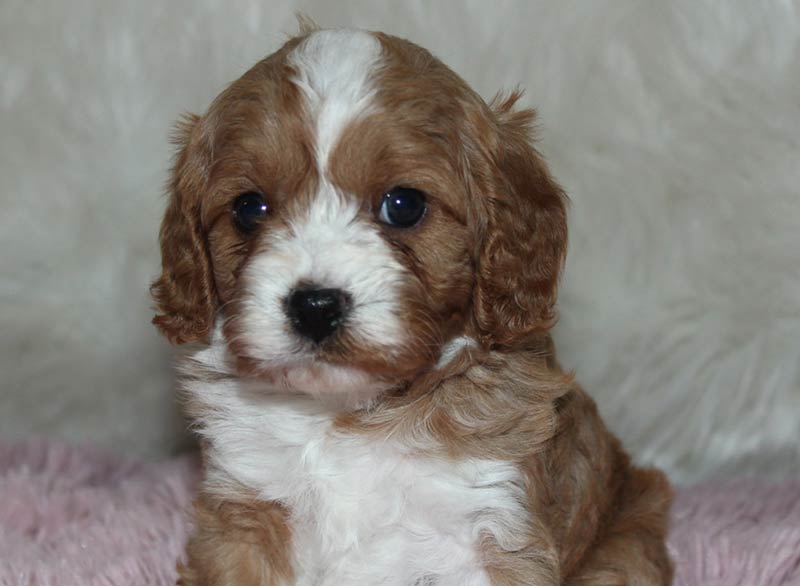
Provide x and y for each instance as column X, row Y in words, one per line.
column 316, row 314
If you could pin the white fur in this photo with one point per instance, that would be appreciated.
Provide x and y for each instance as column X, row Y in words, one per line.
column 333, row 72
column 328, row 243
column 672, row 125
column 453, row 347
column 363, row 511
column 331, row 245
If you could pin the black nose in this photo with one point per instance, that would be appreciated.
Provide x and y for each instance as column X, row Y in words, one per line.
column 316, row 313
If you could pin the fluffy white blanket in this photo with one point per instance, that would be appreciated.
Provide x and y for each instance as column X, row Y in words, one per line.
column 674, row 126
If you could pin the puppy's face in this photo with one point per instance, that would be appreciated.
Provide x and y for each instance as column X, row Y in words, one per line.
column 349, row 206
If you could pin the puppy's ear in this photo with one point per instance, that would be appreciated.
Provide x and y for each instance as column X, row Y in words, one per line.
column 525, row 235
column 185, row 297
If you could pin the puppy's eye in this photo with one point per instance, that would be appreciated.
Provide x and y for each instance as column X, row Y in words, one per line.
column 249, row 209
column 402, row 207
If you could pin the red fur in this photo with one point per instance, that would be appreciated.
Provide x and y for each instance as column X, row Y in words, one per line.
column 485, row 263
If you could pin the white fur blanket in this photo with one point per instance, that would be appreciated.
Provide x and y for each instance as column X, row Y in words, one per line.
column 674, row 126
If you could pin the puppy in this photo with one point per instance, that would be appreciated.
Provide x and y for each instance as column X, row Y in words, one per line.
column 370, row 254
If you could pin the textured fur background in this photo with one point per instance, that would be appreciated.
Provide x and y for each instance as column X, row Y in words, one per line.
column 674, row 126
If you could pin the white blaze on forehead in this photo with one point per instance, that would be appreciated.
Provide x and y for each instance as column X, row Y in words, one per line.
column 327, row 242
column 333, row 70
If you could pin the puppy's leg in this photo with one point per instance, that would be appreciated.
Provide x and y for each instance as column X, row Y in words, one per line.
column 632, row 551
column 241, row 544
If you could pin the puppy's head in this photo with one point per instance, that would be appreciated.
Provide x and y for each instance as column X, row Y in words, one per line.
column 349, row 206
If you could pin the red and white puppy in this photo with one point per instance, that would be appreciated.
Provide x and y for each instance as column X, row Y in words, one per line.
column 370, row 254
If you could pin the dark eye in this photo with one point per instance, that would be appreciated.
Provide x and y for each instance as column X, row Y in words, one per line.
column 402, row 207
column 248, row 211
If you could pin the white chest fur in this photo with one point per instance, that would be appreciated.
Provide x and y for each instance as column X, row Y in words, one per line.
column 362, row 512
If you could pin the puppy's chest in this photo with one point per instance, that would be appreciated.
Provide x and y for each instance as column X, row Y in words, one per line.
column 369, row 512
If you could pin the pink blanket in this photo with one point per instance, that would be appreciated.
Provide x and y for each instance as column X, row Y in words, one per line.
column 76, row 516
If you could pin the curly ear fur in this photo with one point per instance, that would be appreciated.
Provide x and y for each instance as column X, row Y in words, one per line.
column 184, row 294
column 525, row 235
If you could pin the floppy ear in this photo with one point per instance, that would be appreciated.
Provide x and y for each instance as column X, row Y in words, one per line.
column 525, row 237
column 184, row 294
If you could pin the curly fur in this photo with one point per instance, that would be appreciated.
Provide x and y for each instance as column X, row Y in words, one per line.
column 386, row 452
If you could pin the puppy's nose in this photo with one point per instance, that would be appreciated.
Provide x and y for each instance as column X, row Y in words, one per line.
column 316, row 313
